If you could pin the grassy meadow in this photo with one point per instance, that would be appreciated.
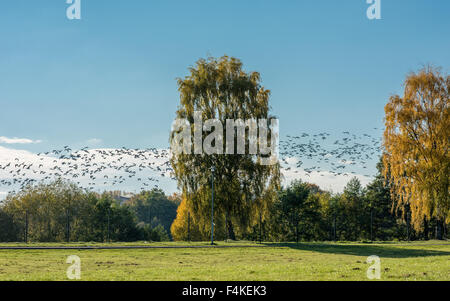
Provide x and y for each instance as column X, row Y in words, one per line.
column 287, row 261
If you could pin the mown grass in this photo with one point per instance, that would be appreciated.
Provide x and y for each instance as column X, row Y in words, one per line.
column 121, row 244
column 288, row 261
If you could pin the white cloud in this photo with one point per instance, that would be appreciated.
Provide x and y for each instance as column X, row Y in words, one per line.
column 43, row 166
column 16, row 140
column 9, row 154
column 324, row 179
column 94, row 141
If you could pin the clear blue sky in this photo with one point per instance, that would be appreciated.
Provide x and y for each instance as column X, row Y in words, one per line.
column 112, row 75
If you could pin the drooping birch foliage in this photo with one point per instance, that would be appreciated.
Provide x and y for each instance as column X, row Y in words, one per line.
column 416, row 141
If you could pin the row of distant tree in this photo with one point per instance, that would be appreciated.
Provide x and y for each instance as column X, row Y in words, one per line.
column 304, row 212
column 61, row 211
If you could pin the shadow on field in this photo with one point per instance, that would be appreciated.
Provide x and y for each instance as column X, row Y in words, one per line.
column 363, row 250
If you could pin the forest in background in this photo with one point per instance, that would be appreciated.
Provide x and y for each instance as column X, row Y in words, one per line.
column 61, row 212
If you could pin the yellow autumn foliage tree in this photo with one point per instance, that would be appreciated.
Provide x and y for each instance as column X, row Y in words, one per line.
column 183, row 221
column 416, row 141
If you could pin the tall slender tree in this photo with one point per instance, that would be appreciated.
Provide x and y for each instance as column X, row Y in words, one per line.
column 220, row 89
column 416, row 142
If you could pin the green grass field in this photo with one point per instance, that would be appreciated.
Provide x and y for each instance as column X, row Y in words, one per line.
column 290, row 261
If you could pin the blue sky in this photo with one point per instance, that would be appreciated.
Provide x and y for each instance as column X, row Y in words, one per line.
column 112, row 74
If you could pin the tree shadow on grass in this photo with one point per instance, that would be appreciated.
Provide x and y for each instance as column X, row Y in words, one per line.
column 387, row 251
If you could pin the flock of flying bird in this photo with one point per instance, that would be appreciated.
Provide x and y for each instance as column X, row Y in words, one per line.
column 336, row 156
column 90, row 168
column 94, row 167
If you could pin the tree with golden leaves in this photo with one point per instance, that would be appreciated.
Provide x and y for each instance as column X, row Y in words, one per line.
column 416, row 141
column 184, row 227
column 221, row 89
